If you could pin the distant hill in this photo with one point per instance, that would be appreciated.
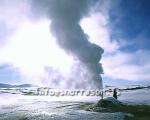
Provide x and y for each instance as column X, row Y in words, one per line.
column 25, row 85
column 5, row 85
column 2, row 85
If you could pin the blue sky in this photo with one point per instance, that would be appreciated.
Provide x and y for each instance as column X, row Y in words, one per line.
column 121, row 27
column 131, row 19
column 9, row 74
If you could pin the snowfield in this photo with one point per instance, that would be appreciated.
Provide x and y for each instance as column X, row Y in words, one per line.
column 15, row 106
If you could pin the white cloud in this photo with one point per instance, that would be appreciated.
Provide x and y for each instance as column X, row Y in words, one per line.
column 131, row 66
column 96, row 27
column 13, row 12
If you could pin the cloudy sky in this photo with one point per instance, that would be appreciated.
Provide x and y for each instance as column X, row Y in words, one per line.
column 34, row 49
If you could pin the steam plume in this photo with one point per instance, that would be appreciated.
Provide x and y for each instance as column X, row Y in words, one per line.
column 65, row 16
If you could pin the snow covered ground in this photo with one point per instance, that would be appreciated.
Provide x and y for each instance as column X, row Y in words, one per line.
column 141, row 96
column 23, row 107
column 18, row 107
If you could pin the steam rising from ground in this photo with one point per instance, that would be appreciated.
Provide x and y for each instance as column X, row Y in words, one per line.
column 65, row 16
column 34, row 50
